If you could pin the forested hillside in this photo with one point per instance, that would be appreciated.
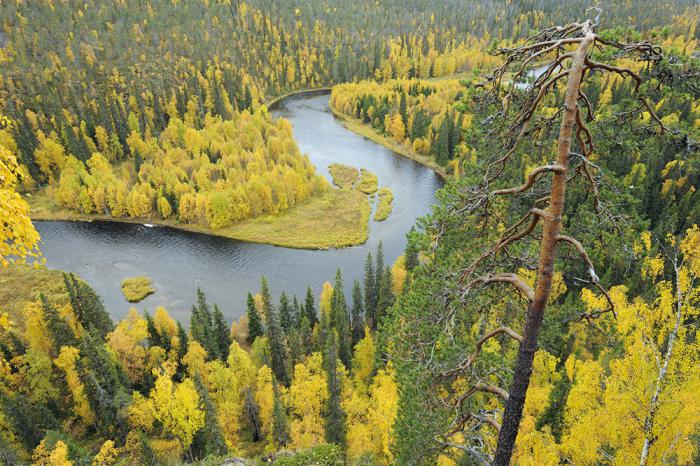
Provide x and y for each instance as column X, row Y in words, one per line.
column 545, row 312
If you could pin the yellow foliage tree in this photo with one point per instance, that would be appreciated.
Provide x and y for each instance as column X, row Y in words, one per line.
column 18, row 238
column 306, row 399
column 647, row 399
column 264, row 397
column 127, row 344
column 67, row 362
column 177, row 407
column 107, row 454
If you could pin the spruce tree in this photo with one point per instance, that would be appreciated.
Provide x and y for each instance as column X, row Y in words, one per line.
column 305, row 335
column 553, row 415
column 222, row 333
column 309, row 307
column 255, row 326
column 87, row 306
column 340, row 320
column 335, row 417
column 296, row 312
column 441, row 146
column 403, row 110
column 285, row 312
column 420, row 125
column 386, row 295
column 202, row 326
column 370, row 289
column 252, row 412
column 378, row 270
column 279, row 353
column 358, row 317
column 103, row 384
column 209, row 440
column 154, row 336
column 183, row 346
column 147, row 457
column 59, row 329
column 29, row 421
column 266, row 298
column 452, row 134
column 280, row 423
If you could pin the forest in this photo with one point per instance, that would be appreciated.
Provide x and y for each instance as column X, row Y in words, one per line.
column 544, row 312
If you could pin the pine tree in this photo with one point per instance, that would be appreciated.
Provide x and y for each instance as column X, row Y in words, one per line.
column 255, row 326
column 340, row 320
column 279, row 353
column 358, row 318
column 335, row 417
column 59, row 329
column 222, row 333
column 370, row 289
column 411, row 251
column 309, row 307
column 280, row 422
column 285, row 312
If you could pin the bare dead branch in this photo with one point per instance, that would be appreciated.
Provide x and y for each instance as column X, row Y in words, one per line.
column 488, row 388
column 511, row 278
column 531, row 177
column 614, row 69
column 653, row 114
column 582, row 252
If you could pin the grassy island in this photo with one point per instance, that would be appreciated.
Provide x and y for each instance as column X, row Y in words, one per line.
column 344, row 176
column 386, row 198
column 368, row 182
column 334, row 219
column 136, row 289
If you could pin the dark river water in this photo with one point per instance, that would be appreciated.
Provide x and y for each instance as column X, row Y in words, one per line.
column 105, row 253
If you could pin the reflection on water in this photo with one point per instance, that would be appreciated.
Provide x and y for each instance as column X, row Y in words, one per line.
column 104, row 253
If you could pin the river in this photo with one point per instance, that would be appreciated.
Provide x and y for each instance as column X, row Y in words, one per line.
column 105, row 253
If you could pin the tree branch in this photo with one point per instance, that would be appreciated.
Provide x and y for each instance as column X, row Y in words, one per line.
column 477, row 348
column 531, row 177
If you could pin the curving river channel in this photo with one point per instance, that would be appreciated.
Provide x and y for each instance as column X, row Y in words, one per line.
column 105, row 253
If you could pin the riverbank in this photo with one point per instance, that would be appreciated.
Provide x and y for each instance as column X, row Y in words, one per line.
column 272, row 102
column 368, row 132
column 365, row 131
column 336, row 219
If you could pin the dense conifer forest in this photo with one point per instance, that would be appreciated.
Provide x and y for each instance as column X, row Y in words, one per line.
column 545, row 312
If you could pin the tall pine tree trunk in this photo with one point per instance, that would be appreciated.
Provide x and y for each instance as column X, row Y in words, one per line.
column 551, row 227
